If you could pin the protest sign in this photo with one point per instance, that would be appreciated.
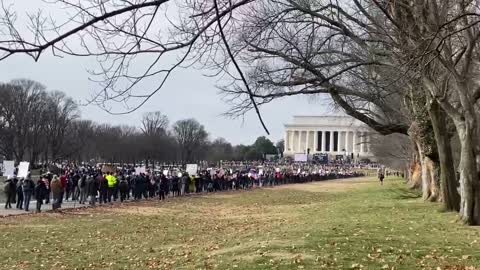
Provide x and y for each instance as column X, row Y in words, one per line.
column 301, row 158
column 8, row 167
column 192, row 169
column 140, row 170
column 23, row 169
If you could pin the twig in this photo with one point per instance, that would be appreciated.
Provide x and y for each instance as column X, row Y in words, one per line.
column 232, row 57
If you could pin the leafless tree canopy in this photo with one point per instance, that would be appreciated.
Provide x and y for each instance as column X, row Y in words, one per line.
column 191, row 136
column 45, row 126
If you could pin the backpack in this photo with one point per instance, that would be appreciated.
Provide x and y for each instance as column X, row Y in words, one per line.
column 83, row 182
column 28, row 184
column 6, row 187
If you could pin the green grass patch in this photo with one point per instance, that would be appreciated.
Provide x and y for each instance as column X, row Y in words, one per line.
column 340, row 224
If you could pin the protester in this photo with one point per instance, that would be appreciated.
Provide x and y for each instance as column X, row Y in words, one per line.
column 123, row 187
column 9, row 189
column 86, row 183
column 18, row 189
column 92, row 189
column 63, row 183
column 82, row 189
column 57, row 192
column 381, row 174
column 27, row 188
column 40, row 193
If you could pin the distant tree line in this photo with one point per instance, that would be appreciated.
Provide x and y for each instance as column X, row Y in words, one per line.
column 45, row 126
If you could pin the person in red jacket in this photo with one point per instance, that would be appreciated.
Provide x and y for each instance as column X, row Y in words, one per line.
column 63, row 182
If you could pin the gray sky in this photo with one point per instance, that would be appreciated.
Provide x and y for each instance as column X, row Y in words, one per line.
column 187, row 94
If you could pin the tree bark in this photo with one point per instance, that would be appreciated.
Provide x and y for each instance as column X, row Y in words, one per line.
column 448, row 180
column 433, row 169
column 426, row 189
column 469, row 187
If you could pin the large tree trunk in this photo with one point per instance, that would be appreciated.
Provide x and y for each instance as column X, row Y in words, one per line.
column 469, row 186
column 424, row 172
column 448, row 179
column 433, row 171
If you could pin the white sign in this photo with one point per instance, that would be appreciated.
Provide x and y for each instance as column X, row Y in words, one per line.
column 301, row 157
column 23, row 169
column 140, row 170
column 192, row 169
column 8, row 167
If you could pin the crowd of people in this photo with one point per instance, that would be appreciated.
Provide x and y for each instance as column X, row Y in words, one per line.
column 94, row 185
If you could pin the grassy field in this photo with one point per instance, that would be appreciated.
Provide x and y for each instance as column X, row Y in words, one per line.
column 340, row 224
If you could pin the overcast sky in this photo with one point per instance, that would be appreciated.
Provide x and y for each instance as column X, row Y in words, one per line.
column 187, row 94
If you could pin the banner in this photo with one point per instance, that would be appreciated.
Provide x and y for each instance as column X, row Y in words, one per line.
column 140, row 170
column 23, row 169
column 8, row 167
column 301, row 157
column 192, row 169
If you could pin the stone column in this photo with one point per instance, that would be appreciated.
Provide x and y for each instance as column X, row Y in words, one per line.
column 362, row 144
column 354, row 150
column 306, row 140
column 347, row 143
column 290, row 143
column 367, row 142
column 299, row 141
column 331, row 141
column 315, row 142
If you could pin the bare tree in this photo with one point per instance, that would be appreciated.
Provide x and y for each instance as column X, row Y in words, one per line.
column 191, row 137
column 61, row 111
column 19, row 110
column 154, row 129
column 154, row 123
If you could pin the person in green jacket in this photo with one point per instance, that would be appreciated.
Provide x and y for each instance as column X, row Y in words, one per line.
column 112, row 181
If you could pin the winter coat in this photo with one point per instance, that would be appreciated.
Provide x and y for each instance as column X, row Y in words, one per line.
column 40, row 190
column 28, row 185
column 9, row 187
column 56, row 186
column 92, row 186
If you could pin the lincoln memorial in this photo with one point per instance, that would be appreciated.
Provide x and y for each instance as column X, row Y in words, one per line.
column 335, row 135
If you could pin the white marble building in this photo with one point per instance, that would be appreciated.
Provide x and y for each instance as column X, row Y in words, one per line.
column 335, row 135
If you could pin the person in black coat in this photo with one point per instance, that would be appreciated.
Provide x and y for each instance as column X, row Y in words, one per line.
column 123, row 187
column 9, row 189
column 92, row 188
column 40, row 193
column 163, row 187
column 18, row 188
column 103, row 188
